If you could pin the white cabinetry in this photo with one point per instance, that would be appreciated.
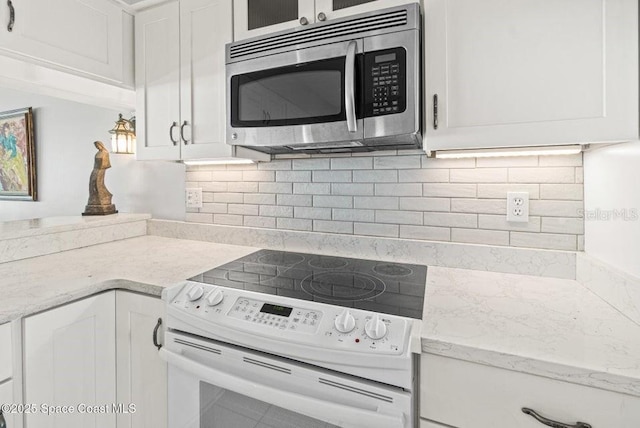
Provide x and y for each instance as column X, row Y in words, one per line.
column 142, row 374
column 464, row 395
column 257, row 17
column 70, row 359
column 86, row 36
column 180, row 80
column 6, row 397
column 6, row 355
column 530, row 72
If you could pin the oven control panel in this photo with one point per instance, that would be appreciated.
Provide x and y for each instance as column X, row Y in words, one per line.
column 287, row 320
column 279, row 317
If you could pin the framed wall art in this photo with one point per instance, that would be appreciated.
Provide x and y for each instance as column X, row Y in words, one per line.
column 17, row 156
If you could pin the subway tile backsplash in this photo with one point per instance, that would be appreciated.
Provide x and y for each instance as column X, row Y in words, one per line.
column 400, row 194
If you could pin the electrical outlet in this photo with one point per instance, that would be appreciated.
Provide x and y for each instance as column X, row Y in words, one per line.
column 194, row 197
column 518, row 207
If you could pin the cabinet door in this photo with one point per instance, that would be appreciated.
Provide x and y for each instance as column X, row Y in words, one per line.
column 530, row 72
column 256, row 17
column 339, row 8
column 70, row 359
column 83, row 35
column 157, row 83
column 142, row 375
column 6, row 397
column 464, row 394
column 205, row 28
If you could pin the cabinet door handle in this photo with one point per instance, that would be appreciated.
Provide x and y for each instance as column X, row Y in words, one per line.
column 12, row 18
column 550, row 423
column 155, row 334
column 304, row 21
column 184, row 140
column 173, row 125
column 322, row 16
column 435, row 111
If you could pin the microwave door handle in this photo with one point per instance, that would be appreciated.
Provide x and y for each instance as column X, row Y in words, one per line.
column 350, row 86
column 350, row 415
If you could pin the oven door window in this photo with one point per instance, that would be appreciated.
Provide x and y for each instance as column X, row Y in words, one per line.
column 293, row 95
column 220, row 408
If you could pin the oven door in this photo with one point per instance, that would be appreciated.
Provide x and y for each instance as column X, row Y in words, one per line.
column 297, row 98
column 215, row 385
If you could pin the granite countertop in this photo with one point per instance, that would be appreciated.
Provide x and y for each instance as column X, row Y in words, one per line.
column 555, row 328
column 145, row 264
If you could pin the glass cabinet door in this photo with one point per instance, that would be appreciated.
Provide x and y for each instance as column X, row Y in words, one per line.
column 330, row 9
column 257, row 17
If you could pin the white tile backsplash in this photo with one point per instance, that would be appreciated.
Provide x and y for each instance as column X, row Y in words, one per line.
column 400, row 194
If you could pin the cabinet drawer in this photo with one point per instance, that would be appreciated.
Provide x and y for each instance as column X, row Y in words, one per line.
column 464, row 394
column 6, row 345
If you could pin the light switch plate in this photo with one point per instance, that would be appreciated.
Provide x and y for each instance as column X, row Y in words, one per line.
column 518, row 207
column 194, row 197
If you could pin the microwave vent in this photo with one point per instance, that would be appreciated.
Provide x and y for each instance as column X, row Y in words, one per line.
column 340, row 28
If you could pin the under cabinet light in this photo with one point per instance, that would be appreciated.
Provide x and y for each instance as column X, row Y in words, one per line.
column 218, row 162
column 503, row 152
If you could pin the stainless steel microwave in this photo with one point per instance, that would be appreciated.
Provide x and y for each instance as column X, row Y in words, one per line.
column 350, row 84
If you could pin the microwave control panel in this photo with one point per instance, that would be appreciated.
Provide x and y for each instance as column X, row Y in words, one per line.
column 385, row 82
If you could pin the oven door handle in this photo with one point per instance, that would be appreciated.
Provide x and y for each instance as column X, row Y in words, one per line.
column 350, row 86
column 349, row 416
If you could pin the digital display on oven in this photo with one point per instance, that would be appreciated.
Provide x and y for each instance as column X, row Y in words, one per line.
column 283, row 311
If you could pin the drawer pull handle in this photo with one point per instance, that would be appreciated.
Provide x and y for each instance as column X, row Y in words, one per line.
column 550, row 423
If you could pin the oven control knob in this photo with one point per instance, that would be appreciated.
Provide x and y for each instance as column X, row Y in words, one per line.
column 215, row 297
column 375, row 328
column 345, row 322
column 195, row 293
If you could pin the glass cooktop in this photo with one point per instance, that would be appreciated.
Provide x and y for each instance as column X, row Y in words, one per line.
column 390, row 288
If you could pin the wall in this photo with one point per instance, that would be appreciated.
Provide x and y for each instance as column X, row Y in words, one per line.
column 400, row 195
column 64, row 134
column 612, row 204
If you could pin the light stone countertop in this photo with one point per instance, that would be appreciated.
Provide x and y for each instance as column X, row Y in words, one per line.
column 549, row 327
column 42, row 226
column 555, row 328
column 147, row 263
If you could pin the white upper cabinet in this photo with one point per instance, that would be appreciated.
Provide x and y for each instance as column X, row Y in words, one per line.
column 158, row 82
column 257, row 17
column 180, row 80
column 530, row 72
column 84, row 36
column 205, row 28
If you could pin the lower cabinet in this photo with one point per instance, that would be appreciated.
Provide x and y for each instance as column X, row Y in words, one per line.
column 70, row 360
column 95, row 356
column 6, row 397
column 141, row 374
column 467, row 395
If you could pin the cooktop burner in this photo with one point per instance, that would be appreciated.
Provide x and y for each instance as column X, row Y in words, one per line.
column 391, row 288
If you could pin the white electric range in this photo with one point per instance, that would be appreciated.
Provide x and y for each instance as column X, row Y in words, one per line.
column 280, row 339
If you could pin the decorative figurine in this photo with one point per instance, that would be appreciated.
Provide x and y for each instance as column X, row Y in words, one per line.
column 99, row 197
